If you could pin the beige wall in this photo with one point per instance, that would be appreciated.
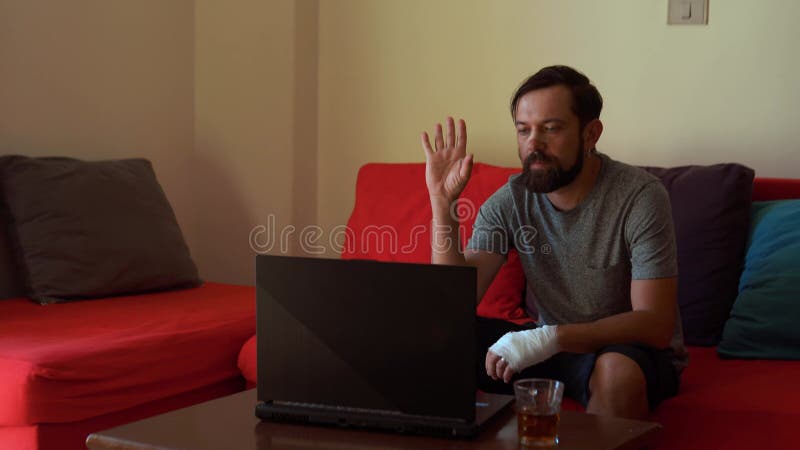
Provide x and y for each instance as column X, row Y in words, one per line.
column 209, row 91
column 252, row 108
column 673, row 94
column 255, row 129
column 100, row 79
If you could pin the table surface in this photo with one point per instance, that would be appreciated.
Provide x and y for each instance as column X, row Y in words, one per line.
column 230, row 423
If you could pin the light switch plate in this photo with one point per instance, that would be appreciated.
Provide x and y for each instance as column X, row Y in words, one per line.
column 688, row 12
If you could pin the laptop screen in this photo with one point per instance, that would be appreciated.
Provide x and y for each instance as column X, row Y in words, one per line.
column 366, row 334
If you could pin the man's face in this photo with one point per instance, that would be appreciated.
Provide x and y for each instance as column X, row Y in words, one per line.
column 549, row 139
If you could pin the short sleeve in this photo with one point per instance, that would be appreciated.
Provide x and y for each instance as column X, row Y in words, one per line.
column 650, row 234
column 490, row 231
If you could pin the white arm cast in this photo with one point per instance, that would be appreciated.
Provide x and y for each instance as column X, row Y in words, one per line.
column 523, row 349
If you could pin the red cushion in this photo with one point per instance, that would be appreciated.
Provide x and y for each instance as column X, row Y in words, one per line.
column 732, row 404
column 504, row 298
column 391, row 222
column 775, row 188
column 247, row 362
column 71, row 361
column 72, row 435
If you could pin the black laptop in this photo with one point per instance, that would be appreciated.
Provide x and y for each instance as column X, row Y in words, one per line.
column 367, row 344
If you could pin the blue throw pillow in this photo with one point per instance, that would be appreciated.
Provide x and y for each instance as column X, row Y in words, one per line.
column 764, row 319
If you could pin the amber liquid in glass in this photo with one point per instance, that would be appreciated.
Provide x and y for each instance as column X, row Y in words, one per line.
column 536, row 429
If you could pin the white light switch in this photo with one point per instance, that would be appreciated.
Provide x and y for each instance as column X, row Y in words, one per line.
column 688, row 12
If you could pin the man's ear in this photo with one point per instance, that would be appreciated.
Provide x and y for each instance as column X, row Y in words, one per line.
column 591, row 133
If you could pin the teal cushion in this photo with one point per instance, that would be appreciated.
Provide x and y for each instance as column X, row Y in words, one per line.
column 765, row 319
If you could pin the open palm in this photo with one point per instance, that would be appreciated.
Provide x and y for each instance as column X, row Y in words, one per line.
column 447, row 165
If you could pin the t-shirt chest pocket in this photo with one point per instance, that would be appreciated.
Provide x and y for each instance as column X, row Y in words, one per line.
column 605, row 290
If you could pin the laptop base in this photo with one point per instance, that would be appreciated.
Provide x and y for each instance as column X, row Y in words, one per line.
column 487, row 407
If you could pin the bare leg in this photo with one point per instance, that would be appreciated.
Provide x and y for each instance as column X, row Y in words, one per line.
column 618, row 388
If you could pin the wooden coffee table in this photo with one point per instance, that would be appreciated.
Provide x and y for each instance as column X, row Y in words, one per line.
column 230, row 423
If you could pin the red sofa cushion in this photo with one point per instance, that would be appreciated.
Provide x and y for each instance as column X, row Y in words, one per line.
column 71, row 361
column 72, row 435
column 732, row 404
column 391, row 222
column 248, row 362
column 735, row 404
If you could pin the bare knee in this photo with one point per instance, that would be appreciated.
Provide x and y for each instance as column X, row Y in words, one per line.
column 618, row 387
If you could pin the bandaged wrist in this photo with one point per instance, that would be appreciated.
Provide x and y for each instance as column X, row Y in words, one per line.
column 523, row 349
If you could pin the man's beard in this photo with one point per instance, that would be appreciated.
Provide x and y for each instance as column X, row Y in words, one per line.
column 551, row 177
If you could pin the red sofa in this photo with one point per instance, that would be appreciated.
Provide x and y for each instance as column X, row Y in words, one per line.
column 73, row 229
column 722, row 404
column 70, row 369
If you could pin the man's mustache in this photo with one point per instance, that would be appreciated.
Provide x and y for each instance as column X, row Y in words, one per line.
column 536, row 156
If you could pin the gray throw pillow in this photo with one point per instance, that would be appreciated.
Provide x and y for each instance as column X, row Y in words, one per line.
column 10, row 277
column 84, row 229
column 711, row 211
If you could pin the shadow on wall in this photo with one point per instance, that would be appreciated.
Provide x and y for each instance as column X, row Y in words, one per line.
column 220, row 244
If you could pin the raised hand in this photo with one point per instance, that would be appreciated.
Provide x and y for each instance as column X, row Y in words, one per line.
column 447, row 165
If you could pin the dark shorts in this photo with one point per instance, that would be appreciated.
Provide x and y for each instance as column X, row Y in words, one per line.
column 575, row 369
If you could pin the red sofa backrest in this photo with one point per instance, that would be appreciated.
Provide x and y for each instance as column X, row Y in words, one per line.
column 775, row 189
column 394, row 195
column 391, row 221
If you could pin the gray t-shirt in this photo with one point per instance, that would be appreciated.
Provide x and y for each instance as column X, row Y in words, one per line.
column 579, row 263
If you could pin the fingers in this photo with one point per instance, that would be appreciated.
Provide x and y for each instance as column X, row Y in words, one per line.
column 491, row 363
column 426, row 144
column 447, row 137
column 507, row 373
column 466, row 167
column 461, row 138
column 439, row 140
column 450, row 136
column 498, row 368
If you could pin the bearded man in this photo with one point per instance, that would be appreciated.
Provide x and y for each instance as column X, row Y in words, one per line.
column 596, row 242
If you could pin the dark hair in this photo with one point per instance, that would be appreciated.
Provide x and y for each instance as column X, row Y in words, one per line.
column 586, row 100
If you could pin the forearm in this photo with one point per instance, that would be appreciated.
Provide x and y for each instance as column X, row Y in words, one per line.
column 445, row 245
column 643, row 327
